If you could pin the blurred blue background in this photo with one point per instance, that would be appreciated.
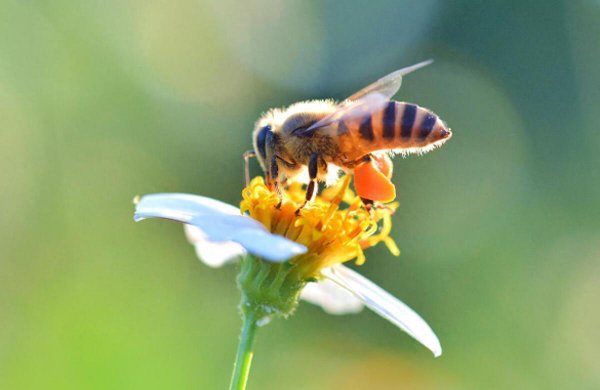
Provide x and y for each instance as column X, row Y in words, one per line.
column 499, row 230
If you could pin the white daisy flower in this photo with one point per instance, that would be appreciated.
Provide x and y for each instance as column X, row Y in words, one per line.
column 286, row 255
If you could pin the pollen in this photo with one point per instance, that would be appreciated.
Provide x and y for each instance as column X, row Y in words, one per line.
column 335, row 227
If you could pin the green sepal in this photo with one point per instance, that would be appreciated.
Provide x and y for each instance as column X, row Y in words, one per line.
column 269, row 290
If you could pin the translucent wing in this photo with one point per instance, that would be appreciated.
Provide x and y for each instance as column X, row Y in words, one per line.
column 389, row 85
column 347, row 110
column 370, row 99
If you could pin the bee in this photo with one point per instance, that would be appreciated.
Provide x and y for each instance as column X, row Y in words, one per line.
column 313, row 140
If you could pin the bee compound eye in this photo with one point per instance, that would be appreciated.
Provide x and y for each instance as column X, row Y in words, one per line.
column 261, row 140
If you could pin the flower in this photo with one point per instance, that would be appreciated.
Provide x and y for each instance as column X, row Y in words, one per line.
column 290, row 252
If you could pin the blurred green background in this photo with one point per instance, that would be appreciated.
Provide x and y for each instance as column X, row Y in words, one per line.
column 499, row 230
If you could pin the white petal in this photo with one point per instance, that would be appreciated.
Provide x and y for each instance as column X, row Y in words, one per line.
column 213, row 254
column 331, row 297
column 384, row 304
column 220, row 222
column 180, row 207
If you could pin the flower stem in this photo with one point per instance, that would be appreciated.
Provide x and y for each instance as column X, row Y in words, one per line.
column 241, row 368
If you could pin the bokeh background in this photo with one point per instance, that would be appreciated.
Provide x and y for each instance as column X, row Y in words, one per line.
column 499, row 230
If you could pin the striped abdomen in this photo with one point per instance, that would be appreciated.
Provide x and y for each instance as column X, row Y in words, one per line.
column 402, row 127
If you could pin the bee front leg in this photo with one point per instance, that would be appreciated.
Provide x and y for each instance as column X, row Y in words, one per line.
column 273, row 176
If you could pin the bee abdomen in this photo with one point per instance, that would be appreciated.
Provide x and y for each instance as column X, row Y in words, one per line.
column 398, row 126
column 406, row 125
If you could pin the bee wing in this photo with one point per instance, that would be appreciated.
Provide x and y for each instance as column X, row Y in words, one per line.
column 366, row 101
column 388, row 85
column 347, row 110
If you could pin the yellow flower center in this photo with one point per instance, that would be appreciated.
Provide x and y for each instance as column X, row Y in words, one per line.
column 335, row 227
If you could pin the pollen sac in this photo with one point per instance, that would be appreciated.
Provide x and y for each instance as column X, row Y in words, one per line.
column 373, row 183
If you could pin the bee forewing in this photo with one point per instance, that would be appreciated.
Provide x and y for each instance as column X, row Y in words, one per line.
column 370, row 103
column 388, row 85
column 366, row 101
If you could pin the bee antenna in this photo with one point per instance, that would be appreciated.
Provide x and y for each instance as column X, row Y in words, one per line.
column 247, row 156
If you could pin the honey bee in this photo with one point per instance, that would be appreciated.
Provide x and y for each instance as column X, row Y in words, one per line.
column 313, row 140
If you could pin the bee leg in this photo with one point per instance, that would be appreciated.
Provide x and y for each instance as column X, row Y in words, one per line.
column 273, row 182
column 353, row 164
column 247, row 155
column 273, row 173
column 311, row 189
column 369, row 204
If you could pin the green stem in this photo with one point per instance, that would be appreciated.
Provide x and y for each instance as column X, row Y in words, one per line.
column 241, row 369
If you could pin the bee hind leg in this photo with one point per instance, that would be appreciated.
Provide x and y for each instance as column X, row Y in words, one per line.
column 372, row 206
column 369, row 204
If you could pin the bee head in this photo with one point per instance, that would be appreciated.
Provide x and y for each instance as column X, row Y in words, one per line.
column 276, row 125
